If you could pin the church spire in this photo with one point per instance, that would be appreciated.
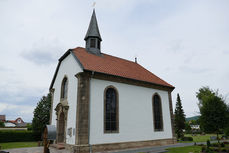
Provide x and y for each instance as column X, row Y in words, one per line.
column 93, row 37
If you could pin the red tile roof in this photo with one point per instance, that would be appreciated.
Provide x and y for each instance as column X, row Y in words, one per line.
column 116, row 66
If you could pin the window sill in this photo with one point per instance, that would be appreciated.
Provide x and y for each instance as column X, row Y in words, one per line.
column 111, row 132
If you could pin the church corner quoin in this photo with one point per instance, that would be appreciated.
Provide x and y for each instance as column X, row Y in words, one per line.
column 100, row 104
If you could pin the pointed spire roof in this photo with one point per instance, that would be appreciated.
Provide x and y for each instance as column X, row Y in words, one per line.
column 93, row 29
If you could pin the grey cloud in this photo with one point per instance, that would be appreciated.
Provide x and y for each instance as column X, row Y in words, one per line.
column 40, row 57
column 194, row 70
column 226, row 52
column 176, row 46
column 13, row 111
column 5, row 69
column 18, row 98
column 46, row 51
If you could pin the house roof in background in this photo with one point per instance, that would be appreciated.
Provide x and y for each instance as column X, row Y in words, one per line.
column 2, row 117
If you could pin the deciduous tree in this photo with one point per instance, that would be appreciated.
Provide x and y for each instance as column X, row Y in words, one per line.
column 2, row 124
column 203, row 93
column 213, row 112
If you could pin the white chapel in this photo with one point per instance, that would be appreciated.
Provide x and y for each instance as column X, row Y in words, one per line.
column 101, row 102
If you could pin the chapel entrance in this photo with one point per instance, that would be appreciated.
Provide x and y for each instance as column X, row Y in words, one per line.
column 61, row 128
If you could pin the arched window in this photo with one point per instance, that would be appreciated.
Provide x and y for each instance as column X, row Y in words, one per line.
column 157, row 113
column 64, row 88
column 111, row 121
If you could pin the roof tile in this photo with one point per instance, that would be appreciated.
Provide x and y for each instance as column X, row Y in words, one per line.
column 116, row 66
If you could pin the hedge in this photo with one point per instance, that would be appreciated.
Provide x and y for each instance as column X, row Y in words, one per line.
column 187, row 139
column 18, row 136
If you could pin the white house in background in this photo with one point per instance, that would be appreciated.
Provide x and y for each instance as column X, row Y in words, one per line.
column 9, row 124
column 12, row 123
column 102, row 102
column 195, row 127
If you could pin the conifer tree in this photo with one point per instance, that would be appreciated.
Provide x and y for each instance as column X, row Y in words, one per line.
column 41, row 115
column 179, row 118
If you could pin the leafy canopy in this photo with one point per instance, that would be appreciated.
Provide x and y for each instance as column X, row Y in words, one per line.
column 2, row 124
column 213, row 114
column 213, row 109
column 204, row 93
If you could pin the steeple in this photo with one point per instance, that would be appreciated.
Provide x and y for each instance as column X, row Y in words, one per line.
column 93, row 38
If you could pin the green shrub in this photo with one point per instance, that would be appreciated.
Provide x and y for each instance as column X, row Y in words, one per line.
column 187, row 139
column 215, row 145
column 203, row 149
column 222, row 144
column 226, row 131
column 17, row 136
column 208, row 144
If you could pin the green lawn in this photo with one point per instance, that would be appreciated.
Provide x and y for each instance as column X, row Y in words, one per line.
column 188, row 149
column 10, row 145
column 200, row 138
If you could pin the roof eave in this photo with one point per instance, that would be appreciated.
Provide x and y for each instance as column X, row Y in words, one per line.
column 170, row 88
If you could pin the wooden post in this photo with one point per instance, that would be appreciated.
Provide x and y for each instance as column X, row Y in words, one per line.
column 45, row 141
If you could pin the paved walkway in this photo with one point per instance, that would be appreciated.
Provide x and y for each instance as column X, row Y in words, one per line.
column 155, row 149
column 158, row 149
column 35, row 150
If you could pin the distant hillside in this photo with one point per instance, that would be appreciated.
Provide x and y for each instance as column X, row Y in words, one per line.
column 192, row 118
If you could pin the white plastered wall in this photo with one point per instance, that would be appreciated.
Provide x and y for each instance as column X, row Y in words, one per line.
column 68, row 67
column 135, row 113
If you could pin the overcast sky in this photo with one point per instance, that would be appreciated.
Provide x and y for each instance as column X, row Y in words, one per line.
column 185, row 42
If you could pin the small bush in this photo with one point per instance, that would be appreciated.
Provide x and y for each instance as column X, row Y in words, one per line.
column 17, row 136
column 215, row 145
column 214, row 149
column 187, row 139
column 203, row 149
column 222, row 144
column 208, row 143
column 208, row 150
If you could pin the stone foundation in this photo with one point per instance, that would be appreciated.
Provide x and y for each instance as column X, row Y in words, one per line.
column 118, row 146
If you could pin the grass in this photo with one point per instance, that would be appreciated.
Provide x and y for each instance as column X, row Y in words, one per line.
column 199, row 138
column 10, row 145
column 188, row 149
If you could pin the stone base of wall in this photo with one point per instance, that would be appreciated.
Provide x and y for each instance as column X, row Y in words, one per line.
column 78, row 148
column 118, row 146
